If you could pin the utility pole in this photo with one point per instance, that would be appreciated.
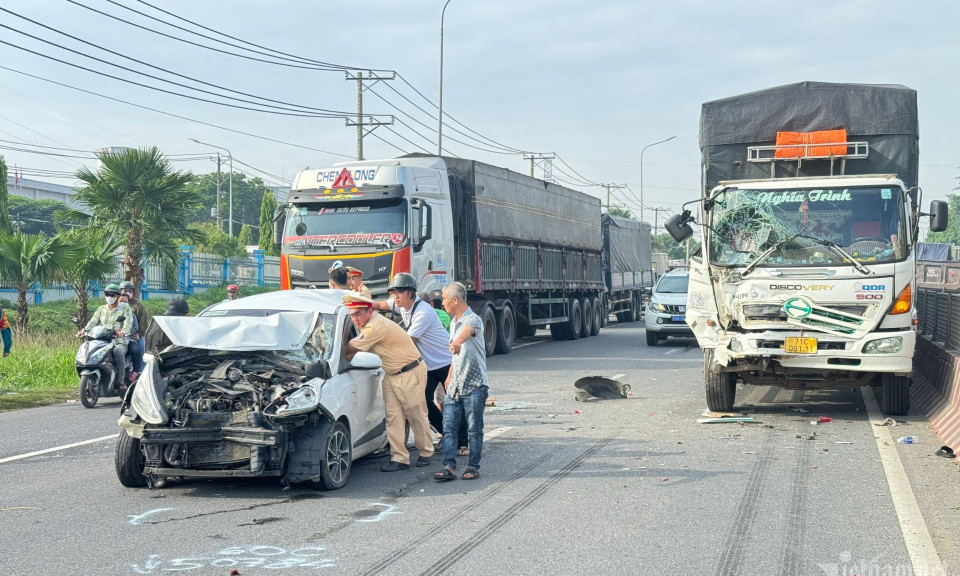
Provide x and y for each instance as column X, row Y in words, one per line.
column 612, row 187
column 641, row 170
column 362, row 122
column 440, row 107
column 656, row 217
column 545, row 161
column 219, row 218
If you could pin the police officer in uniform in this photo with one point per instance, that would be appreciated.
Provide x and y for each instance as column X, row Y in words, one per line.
column 355, row 282
column 404, row 381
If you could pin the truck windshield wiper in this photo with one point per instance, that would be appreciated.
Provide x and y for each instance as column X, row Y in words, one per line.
column 769, row 252
column 843, row 253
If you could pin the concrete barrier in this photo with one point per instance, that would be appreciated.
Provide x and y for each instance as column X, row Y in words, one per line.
column 936, row 389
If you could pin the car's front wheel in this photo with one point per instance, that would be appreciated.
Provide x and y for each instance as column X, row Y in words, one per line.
column 337, row 456
column 129, row 461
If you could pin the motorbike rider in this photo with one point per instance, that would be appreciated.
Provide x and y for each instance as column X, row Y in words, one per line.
column 108, row 315
column 140, row 313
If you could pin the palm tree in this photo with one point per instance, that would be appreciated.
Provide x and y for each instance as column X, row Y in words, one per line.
column 137, row 194
column 98, row 260
column 28, row 259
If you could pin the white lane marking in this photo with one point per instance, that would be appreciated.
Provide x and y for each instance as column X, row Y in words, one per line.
column 671, row 351
column 530, row 344
column 496, row 432
column 56, row 449
column 920, row 546
column 134, row 519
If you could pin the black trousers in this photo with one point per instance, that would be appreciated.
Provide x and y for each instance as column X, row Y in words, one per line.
column 437, row 378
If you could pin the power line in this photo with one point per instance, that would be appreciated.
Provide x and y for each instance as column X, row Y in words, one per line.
column 158, row 89
column 172, row 115
column 141, row 62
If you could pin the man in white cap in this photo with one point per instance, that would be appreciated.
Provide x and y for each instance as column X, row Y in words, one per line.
column 403, row 383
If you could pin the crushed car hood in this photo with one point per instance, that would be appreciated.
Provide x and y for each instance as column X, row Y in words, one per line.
column 283, row 331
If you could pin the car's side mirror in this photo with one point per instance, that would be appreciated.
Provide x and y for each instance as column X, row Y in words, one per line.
column 365, row 361
column 317, row 370
column 938, row 215
column 279, row 220
column 678, row 226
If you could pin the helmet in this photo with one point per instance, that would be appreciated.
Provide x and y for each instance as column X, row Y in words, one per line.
column 111, row 288
column 403, row 281
column 126, row 284
column 233, row 288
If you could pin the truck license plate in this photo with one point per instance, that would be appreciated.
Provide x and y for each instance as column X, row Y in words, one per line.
column 800, row 345
column 679, row 318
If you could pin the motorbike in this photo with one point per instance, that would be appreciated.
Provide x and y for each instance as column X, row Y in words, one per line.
column 98, row 376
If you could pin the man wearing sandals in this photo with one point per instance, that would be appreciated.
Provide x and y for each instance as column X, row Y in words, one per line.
column 466, row 385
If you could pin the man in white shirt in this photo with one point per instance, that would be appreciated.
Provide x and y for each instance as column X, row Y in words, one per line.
column 424, row 327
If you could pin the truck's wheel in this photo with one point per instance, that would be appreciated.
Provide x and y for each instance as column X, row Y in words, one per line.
column 605, row 313
column 894, row 394
column 634, row 308
column 575, row 321
column 337, row 456
column 652, row 338
column 586, row 308
column 526, row 330
column 129, row 461
column 597, row 316
column 558, row 331
column 489, row 319
column 721, row 387
column 506, row 330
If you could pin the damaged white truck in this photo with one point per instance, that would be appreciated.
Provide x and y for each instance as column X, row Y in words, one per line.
column 809, row 217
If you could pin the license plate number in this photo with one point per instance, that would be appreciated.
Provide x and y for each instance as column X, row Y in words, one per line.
column 679, row 318
column 800, row 345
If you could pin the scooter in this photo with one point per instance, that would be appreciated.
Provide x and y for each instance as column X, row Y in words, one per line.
column 98, row 375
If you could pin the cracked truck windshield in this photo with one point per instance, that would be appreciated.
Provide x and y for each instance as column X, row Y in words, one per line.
column 865, row 223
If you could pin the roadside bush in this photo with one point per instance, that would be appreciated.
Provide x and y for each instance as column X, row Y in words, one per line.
column 40, row 362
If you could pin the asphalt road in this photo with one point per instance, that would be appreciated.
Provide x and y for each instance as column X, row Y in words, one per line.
column 631, row 486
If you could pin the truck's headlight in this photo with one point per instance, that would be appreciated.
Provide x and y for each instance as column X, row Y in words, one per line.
column 890, row 345
column 302, row 400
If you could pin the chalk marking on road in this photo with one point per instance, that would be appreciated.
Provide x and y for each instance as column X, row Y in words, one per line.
column 388, row 510
column 529, row 344
column 923, row 554
column 134, row 519
column 56, row 449
column 671, row 351
column 496, row 432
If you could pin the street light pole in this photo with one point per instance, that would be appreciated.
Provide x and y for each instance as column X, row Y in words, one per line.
column 641, row 170
column 440, row 107
column 230, row 186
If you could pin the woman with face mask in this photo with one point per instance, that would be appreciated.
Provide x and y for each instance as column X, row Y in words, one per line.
column 108, row 315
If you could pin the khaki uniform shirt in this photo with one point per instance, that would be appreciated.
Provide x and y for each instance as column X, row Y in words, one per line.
column 388, row 341
column 363, row 290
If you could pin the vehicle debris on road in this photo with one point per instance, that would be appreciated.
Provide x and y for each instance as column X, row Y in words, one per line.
column 600, row 387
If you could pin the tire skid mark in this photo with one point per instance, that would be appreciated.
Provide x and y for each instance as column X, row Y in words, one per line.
column 792, row 563
column 497, row 523
column 479, row 501
column 731, row 561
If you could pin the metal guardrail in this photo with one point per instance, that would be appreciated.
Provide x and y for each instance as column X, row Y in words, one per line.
column 938, row 315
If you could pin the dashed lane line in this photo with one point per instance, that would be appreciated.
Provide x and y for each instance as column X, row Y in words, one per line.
column 923, row 554
column 56, row 449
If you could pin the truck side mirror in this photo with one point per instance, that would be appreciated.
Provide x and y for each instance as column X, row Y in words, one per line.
column 279, row 219
column 422, row 227
column 938, row 216
column 679, row 227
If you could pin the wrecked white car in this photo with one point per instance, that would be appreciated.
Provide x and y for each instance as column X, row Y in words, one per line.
column 259, row 386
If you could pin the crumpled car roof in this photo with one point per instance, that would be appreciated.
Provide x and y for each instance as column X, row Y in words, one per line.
column 281, row 331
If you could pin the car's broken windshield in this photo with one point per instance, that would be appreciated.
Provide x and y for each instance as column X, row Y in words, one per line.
column 866, row 223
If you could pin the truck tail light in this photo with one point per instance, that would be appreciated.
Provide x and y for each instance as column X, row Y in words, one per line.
column 903, row 303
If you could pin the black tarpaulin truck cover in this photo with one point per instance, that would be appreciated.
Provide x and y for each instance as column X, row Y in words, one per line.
column 883, row 115
column 630, row 249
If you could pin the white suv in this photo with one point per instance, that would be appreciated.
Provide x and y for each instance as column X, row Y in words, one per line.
column 666, row 313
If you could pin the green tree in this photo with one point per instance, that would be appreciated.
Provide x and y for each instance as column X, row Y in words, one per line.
column 35, row 216
column 216, row 241
column 268, row 206
column 246, row 236
column 136, row 193
column 247, row 199
column 6, row 226
column 99, row 256
column 621, row 212
column 29, row 259
column 663, row 242
column 952, row 233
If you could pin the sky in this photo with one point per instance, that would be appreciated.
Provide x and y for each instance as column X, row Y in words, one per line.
column 593, row 82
